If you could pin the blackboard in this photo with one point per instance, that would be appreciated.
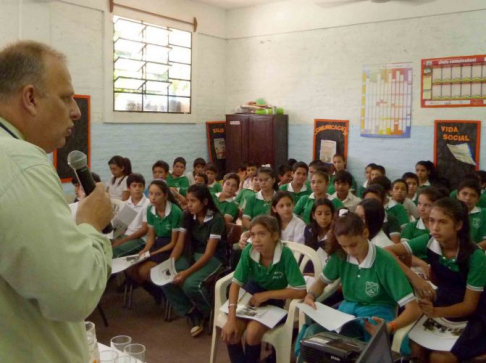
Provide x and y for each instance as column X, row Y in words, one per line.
column 330, row 138
column 463, row 134
column 79, row 140
column 216, row 134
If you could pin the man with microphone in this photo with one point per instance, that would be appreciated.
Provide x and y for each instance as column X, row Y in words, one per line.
column 53, row 270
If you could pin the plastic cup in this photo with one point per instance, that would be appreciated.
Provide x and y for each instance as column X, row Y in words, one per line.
column 120, row 342
column 108, row 356
column 136, row 351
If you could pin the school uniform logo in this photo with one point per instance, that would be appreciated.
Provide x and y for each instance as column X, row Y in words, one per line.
column 277, row 275
column 476, row 222
column 372, row 289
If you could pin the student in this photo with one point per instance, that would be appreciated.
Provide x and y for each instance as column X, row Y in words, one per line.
column 426, row 173
column 284, row 174
column 200, row 252
column 251, row 171
column 391, row 206
column 212, row 172
column 197, row 167
column 458, row 267
column 399, row 194
column 291, row 162
column 133, row 240
column 116, row 186
column 339, row 164
column 163, row 222
column 160, row 170
column 319, row 184
column 225, row 200
column 367, row 175
column 291, row 226
column 412, row 182
column 468, row 193
column 244, row 194
column 177, row 181
column 297, row 187
column 377, row 170
column 268, row 270
column 391, row 227
column 372, row 282
column 260, row 203
column 315, row 165
column 316, row 231
column 201, row 178
column 373, row 214
column 343, row 181
column 475, row 178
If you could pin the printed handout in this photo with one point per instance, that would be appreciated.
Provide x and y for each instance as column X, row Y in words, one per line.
column 437, row 333
column 164, row 273
column 122, row 263
column 329, row 318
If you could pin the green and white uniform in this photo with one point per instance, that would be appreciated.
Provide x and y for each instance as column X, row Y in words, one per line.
column 413, row 230
column 391, row 226
column 305, row 190
column 399, row 211
column 256, row 205
column 303, row 209
column 215, row 188
column 178, row 182
column 171, row 222
column 243, row 196
column 227, row 207
column 482, row 198
column 477, row 224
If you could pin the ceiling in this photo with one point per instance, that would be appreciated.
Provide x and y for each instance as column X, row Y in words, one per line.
column 234, row 4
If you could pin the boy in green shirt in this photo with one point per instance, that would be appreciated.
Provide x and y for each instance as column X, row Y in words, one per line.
column 469, row 192
column 225, row 200
column 297, row 187
column 212, row 172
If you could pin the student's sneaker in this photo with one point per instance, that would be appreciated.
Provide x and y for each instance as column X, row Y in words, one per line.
column 197, row 322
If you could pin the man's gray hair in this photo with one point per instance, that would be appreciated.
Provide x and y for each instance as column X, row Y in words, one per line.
column 23, row 63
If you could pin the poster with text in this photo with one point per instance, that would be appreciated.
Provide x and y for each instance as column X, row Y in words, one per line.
column 330, row 138
column 457, row 146
column 454, row 82
column 386, row 103
column 217, row 145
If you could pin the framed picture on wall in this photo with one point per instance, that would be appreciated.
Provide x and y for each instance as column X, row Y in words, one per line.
column 330, row 138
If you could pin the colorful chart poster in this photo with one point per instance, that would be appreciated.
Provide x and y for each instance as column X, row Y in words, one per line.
column 456, row 145
column 216, row 133
column 386, row 106
column 330, row 138
column 454, row 82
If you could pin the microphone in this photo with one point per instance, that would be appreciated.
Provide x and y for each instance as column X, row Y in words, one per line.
column 79, row 162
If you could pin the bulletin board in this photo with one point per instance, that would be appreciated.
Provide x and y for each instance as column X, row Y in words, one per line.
column 79, row 140
column 330, row 138
column 454, row 82
column 456, row 148
column 216, row 134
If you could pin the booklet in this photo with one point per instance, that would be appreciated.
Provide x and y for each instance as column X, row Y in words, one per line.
column 268, row 315
column 329, row 318
column 437, row 333
column 164, row 273
column 122, row 220
column 122, row 263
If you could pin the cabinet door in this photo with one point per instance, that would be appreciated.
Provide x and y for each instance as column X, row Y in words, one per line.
column 236, row 141
column 261, row 140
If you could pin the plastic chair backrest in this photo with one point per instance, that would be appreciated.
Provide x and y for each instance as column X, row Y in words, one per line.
column 303, row 254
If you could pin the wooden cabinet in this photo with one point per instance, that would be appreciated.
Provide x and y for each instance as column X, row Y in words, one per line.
column 259, row 138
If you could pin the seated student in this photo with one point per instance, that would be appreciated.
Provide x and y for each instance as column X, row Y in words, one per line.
column 468, row 193
column 197, row 167
column 297, row 187
column 133, row 240
column 291, row 162
column 412, row 182
column 269, row 271
column 367, row 175
column 260, row 203
column 426, row 173
column 79, row 192
column 475, row 178
column 199, row 254
column 212, row 173
column 315, row 165
column 458, row 267
column 163, row 221
column 291, row 227
column 372, row 282
column 339, row 164
column 391, row 206
column 373, row 214
column 251, row 171
column 284, row 174
column 243, row 194
column 343, row 181
column 319, row 185
column 177, row 181
column 377, row 170
column 225, row 200
column 201, row 178
column 391, row 227
column 399, row 194
column 116, row 186
column 160, row 170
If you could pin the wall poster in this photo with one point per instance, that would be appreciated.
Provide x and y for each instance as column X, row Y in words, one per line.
column 330, row 138
column 216, row 133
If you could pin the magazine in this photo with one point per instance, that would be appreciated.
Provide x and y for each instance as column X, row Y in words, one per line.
column 329, row 318
column 164, row 273
column 437, row 333
column 122, row 263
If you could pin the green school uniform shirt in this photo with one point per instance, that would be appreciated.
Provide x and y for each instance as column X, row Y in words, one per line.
column 212, row 227
column 481, row 202
column 297, row 196
column 256, row 205
column 178, row 182
column 164, row 226
column 215, row 188
column 391, row 225
column 283, row 272
column 476, row 278
column 378, row 280
column 227, row 207
column 303, row 209
column 242, row 197
column 399, row 211
column 413, row 230
column 477, row 224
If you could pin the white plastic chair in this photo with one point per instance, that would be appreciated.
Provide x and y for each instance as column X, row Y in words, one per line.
column 280, row 337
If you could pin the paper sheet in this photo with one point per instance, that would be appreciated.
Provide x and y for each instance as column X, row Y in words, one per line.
column 122, row 220
column 437, row 333
column 164, row 273
column 462, row 153
column 122, row 263
column 329, row 318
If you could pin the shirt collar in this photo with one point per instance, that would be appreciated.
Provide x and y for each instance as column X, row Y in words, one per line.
column 421, row 224
column 130, row 202
column 212, row 185
column 347, row 199
column 365, row 184
column 11, row 128
column 168, row 209
column 475, row 210
column 259, row 195
column 207, row 217
column 291, row 189
column 224, row 200
column 277, row 254
column 369, row 259
column 330, row 197
column 391, row 203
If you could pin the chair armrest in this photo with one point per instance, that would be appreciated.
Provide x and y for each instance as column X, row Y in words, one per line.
column 399, row 336
column 220, row 291
column 291, row 315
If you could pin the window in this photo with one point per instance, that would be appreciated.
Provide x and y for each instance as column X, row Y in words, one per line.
column 152, row 68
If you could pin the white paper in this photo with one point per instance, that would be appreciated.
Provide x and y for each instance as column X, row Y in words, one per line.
column 124, row 217
column 462, row 153
column 164, row 273
column 437, row 334
column 329, row 318
column 122, row 263
column 268, row 315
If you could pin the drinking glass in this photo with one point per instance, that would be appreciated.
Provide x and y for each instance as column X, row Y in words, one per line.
column 126, row 359
column 108, row 356
column 94, row 353
column 136, row 351
column 120, row 342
